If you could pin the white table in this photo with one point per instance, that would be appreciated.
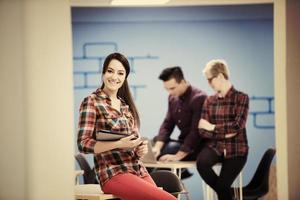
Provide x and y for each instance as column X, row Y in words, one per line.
column 175, row 167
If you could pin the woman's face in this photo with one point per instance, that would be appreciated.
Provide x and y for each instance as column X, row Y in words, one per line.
column 213, row 81
column 114, row 76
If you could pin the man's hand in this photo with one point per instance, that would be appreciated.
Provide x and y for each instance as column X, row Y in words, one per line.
column 156, row 152
column 142, row 149
column 157, row 148
column 169, row 157
column 173, row 157
column 206, row 125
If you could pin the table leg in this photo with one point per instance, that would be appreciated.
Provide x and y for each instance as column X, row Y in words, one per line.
column 179, row 173
column 208, row 193
column 241, row 186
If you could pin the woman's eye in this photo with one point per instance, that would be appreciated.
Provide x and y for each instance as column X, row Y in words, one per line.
column 110, row 71
column 121, row 73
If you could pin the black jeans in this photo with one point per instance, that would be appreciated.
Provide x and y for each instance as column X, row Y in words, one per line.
column 230, row 169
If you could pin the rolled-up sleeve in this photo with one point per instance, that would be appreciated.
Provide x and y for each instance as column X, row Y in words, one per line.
column 209, row 134
column 86, row 126
column 225, row 124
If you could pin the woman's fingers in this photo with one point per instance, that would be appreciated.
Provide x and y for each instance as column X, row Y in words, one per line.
column 142, row 150
column 130, row 141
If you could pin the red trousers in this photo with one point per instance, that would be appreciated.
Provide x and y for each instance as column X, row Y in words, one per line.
column 131, row 187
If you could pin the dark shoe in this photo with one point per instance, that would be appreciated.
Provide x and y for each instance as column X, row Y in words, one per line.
column 185, row 173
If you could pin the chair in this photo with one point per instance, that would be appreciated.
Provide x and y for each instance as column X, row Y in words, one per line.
column 259, row 184
column 89, row 176
column 90, row 190
column 168, row 181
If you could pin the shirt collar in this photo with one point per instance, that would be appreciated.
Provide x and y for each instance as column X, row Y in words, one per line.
column 99, row 92
column 186, row 93
column 229, row 92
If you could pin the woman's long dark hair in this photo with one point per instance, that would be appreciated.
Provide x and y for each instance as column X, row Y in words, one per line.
column 124, row 91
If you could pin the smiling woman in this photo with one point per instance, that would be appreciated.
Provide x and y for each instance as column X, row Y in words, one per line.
column 243, row 35
column 117, row 163
column 114, row 76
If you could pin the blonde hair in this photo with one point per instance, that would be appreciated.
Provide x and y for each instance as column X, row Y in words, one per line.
column 216, row 67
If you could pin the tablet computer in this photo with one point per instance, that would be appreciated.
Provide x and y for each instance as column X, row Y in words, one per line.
column 105, row 135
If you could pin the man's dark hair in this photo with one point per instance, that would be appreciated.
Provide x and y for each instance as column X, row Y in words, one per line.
column 172, row 72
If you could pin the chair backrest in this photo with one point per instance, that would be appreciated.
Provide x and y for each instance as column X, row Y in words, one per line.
column 89, row 176
column 168, row 181
column 260, row 180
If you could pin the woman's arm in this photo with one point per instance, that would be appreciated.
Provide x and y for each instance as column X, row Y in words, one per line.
column 228, row 129
column 124, row 143
column 241, row 107
column 86, row 126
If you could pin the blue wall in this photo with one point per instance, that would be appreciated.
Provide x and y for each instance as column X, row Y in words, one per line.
column 155, row 38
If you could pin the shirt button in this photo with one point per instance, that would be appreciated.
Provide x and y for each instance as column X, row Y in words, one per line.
column 179, row 121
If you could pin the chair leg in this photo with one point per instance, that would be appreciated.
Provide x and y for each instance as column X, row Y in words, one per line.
column 187, row 194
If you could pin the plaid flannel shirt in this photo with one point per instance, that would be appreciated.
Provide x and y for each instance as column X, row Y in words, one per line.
column 229, row 114
column 97, row 114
